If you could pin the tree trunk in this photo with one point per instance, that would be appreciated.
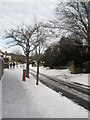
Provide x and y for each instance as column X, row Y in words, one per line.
column 37, row 73
column 27, row 65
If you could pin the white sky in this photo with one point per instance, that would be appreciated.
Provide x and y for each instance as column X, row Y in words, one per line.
column 17, row 12
column 13, row 13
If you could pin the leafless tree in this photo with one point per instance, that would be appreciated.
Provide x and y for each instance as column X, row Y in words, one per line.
column 23, row 36
column 17, row 52
column 42, row 38
column 73, row 18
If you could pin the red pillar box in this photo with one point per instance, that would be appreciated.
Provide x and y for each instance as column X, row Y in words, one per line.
column 24, row 75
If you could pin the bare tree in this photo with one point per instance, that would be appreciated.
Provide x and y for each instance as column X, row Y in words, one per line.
column 23, row 36
column 73, row 18
column 18, row 52
column 41, row 37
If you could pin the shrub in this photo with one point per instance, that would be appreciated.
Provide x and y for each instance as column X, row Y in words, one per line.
column 78, row 70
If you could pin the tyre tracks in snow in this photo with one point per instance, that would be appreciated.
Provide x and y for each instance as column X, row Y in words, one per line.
column 79, row 93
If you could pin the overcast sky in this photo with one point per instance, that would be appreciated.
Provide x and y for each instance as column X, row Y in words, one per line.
column 17, row 12
column 13, row 13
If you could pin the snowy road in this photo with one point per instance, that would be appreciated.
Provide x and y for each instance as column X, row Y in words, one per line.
column 27, row 100
column 78, row 93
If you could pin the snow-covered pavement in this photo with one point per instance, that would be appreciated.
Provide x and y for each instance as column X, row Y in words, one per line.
column 24, row 99
column 0, row 100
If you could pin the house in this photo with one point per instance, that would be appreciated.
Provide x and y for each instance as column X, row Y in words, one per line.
column 1, row 64
column 6, row 55
column 1, row 53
